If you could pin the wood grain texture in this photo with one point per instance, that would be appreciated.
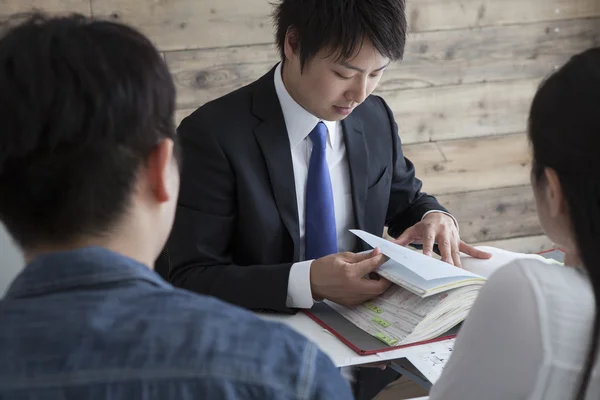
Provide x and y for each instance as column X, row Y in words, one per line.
column 463, row 111
column 489, row 54
column 186, row 24
column 204, row 75
column 528, row 244
column 181, row 114
column 471, row 164
column 432, row 59
column 463, row 81
column 433, row 114
column 427, row 15
column 8, row 7
column 494, row 214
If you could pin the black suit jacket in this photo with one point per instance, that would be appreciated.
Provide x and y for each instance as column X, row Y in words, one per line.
column 236, row 231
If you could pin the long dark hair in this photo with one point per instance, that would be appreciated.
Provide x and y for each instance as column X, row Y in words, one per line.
column 564, row 130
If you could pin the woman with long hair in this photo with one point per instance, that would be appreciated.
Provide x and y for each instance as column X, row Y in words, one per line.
column 533, row 332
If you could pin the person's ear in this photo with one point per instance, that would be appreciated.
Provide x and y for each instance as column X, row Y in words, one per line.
column 160, row 170
column 291, row 45
column 555, row 198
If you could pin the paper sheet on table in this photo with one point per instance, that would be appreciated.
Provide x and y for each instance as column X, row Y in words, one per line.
column 431, row 359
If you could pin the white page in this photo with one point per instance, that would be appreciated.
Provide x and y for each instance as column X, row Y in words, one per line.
column 499, row 259
column 430, row 359
column 395, row 269
column 400, row 308
column 426, row 267
column 392, row 270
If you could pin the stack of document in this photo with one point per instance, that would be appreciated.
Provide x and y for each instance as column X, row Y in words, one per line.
column 429, row 297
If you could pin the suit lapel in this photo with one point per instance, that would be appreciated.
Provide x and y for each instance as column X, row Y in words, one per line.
column 274, row 142
column 358, row 158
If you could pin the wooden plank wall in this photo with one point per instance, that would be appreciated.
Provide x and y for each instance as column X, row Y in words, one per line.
column 460, row 96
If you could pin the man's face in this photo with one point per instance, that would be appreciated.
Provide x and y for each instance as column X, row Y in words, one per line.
column 331, row 89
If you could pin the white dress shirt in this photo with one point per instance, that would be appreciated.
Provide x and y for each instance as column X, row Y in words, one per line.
column 299, row 124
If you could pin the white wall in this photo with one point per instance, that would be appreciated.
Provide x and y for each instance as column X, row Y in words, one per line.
column 11, row 260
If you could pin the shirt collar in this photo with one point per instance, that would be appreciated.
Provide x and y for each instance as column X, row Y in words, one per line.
column 298, row 121
column 89, row 266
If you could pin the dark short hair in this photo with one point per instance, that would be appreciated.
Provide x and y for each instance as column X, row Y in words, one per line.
column 342, row 25
column 82, row 105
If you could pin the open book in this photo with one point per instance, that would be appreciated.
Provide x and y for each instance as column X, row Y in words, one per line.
column 422, row 275
column 429, row 297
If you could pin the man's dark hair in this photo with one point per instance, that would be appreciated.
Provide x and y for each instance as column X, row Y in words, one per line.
column 82, row 105
column 342, row 25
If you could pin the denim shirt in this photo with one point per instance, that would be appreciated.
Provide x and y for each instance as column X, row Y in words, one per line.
column 92, row 324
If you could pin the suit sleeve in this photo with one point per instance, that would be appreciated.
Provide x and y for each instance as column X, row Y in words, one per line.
column 407, row 203
column 200, row 244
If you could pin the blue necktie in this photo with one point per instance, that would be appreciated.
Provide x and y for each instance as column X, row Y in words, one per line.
column 320, row 233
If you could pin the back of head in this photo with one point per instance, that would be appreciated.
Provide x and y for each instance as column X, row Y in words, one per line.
column 342, row 25
column 82, row 104
column 564, row 130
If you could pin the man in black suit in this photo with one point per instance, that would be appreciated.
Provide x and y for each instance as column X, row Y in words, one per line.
column 257, row 223
column 276, row 173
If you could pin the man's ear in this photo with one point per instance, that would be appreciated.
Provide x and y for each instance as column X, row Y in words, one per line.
column 291, row 45
column 159, row 169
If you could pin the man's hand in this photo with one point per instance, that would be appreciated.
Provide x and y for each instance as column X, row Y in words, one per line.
column 342, row 278
column 440, row 228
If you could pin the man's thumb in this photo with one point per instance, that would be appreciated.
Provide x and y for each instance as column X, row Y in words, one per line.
column 371, row 264
column 359, row 257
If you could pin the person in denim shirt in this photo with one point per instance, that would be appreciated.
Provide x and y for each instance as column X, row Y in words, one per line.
column 89, row 179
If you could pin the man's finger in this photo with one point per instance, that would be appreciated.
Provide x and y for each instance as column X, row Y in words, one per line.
column 473, row 252
column 445, row 249
column 456, row 253
column 407, row 237
column 428, row 242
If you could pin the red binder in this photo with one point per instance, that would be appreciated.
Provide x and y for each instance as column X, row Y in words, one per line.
column 367, row 344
